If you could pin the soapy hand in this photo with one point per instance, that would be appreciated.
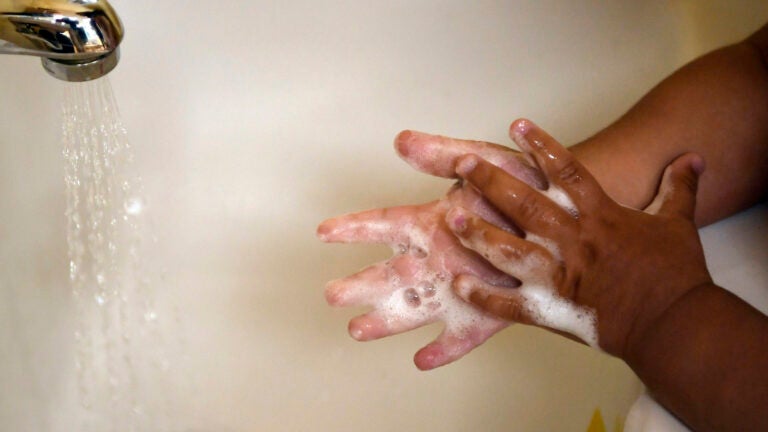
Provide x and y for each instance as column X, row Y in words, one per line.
column 413, row 288
column 588, row 265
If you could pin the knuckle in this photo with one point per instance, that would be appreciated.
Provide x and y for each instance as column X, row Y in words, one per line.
column 510, row 252
column 573, row 288
column 528, row 206
column 559, row 274
column 504, row 307
column 513, row 312
column 570, row 172
column 485, row 236
column 589, row 252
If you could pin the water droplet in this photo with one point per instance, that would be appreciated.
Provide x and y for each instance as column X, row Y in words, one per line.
column 419, row 252
column 412, row 297
column 150, row 316
column 72, row 270
column 134, row 206
column 100, row 299
column 427, row 289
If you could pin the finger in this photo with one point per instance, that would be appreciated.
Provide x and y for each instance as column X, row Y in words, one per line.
column 466, row 196
column 677, row 192
column 504, row 303
column 560, row 167
column 535, row 305
column 379, row 323
column 529, row 209
column 373, row 284
column 454, row 343
column 414, row 303
column 372, row 226
column 545, row 308
column 437, row 155
column 507, row 252
column 360, row 289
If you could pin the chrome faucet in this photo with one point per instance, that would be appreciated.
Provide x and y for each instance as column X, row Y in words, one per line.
column 77, row 39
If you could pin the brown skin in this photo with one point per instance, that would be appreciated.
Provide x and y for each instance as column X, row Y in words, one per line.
column 606, row 252
column 716, row 106
column 701, row 351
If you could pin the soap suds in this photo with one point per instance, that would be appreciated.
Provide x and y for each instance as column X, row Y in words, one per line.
column 550, row 310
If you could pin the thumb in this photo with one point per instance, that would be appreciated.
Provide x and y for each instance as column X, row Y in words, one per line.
column 677, row 192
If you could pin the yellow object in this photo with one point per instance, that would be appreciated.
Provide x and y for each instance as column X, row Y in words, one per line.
column 596, row 424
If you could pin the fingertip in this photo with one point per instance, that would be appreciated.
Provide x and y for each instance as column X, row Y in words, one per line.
column 402, row 141
column 428, row 358
column 324, row 230
column 692, row 161
column 679, row 186
column 364, row 328
column 333, row 295
column 466, row 164
column 518, row 131
column 463, row 286
column 686, row 169
column 698, row 165
column 456, row 218
column 520, row 126
column 356, row 333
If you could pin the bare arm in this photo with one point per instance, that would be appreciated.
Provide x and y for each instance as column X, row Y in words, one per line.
column 690, row 330
column 716, row 106
column 701, row 351
column 705, row 360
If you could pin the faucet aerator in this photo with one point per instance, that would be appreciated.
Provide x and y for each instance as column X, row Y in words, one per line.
column 77, row 39
column 83, row 70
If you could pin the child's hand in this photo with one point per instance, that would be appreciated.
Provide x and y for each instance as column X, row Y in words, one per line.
column 585, row 258
column 413, row 288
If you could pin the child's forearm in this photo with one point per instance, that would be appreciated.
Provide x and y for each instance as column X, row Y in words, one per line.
column 716, row 106
column 706, row 359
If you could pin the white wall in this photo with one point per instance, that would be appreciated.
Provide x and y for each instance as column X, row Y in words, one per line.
column 253, row 121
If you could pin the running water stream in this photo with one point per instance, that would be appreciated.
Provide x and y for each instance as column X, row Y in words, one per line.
column 121, row 356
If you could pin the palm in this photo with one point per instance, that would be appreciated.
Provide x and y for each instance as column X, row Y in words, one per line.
column 413, row 288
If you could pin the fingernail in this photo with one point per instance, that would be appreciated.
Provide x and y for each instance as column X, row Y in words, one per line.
column 405, row 135
column 698, row 165
column 465, row 165
column 519, row 130
column 356, row 333
column 324, row 231
column 462, row 286
column 457, row 220
column 401, row 142
column 522, row 126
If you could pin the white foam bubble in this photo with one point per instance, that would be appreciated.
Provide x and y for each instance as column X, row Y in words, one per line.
column 419, row 240
column 542, row 301
column 546, row 243
column 550, row 310
column 562, row 199
column 370, row 227
column 436, row 300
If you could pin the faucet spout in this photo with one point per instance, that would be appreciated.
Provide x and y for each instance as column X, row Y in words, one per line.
column 77, row 39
